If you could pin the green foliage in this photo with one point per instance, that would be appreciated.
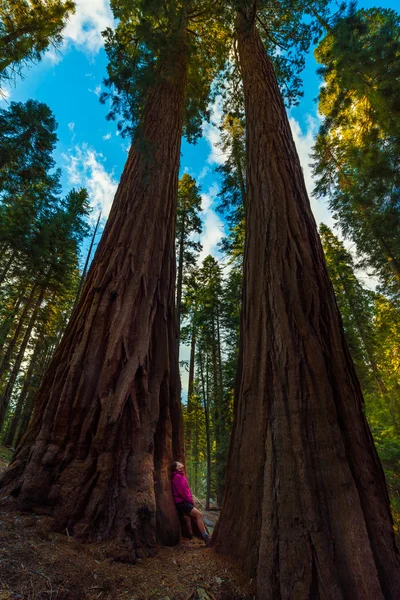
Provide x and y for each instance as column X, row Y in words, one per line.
column 355, row 303
column 27, row 29
column 233, row 190
column 150, row 39
column 212, row 308
column 40, row 235
column 356, row 157
column 188, row 222
column 5, row 454
column 28, row 185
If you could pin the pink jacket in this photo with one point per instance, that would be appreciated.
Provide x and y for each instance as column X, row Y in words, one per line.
column 180, row 488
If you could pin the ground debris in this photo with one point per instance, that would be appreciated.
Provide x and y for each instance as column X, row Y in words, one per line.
column 37, row 564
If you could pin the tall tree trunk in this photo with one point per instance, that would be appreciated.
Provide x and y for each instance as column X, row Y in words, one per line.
column 180, row 281
column 6, row 267
column 5, row 363
column 221, row 450
column 85, row 268
column 107, row 420
column 217, row 404
column 370, row 356
column 205, row 393
column 306, row 507
column 6, row 396
column 190, row 404
column 9, row 318
column 19, row 409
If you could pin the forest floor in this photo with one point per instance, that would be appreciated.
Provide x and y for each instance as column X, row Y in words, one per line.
column 38, row 564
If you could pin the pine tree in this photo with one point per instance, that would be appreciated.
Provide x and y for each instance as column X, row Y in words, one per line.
column 27, row 29
column 356, row 305
column 29, row 184
column 356, row 158
column 233, row 191
column 188, row 223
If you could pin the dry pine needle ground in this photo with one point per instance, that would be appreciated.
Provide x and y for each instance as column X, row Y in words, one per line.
column 38, row 564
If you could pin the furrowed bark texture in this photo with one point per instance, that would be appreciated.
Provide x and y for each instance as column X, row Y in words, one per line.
column 107, row 420
column 306, row 507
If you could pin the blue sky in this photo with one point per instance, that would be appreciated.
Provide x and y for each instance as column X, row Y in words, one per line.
column 92, row 154
column 90, row 151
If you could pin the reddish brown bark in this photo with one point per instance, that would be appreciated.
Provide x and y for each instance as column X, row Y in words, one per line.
column 107, row 420
column 306, row 507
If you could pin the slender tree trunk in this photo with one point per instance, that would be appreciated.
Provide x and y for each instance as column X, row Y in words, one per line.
column 5, row 398
column 5, row 363
column 180, row 281
column 8, row 320
column 370, row 356
column 107, row 420
column 189, row 411
column 217, row 412
column 306, row 507
column 196, row 453
column 240, row 173
column 85, row 268
column 26, row 417
column 205, row 393
column 6, row 267
column 19, row 409
column 221, row 453
column 192, row 364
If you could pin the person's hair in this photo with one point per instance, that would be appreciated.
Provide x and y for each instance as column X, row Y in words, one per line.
column 175, row 465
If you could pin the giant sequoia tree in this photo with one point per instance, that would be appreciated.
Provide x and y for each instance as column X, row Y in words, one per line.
column 107, row 419
column 306, row 508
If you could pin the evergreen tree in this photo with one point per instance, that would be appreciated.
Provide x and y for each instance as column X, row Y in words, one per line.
column 188, row 223
column 27, row 29
column 29, row 185
column 233, row 191
column 54, row 264
column 356, row 305
column 356, row 158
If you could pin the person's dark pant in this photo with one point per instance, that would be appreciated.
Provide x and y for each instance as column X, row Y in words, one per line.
column 184, row 507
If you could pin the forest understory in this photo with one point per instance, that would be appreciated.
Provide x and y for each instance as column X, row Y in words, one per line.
column 38, row 564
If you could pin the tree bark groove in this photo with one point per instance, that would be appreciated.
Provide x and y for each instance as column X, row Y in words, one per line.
column 107, row 420
column 306, row 508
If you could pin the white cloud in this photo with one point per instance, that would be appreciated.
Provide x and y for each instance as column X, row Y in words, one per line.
column 107, row 136
column 97, row 90
column 212, row 133
column 304, row 143
column 85, row 167
column 71, row 127
column 203, row 173
column 85, row 26
column 213, row 227
column 5, row 94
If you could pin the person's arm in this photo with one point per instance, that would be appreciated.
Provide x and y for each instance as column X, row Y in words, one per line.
column 188, row 493
column 182, row 487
